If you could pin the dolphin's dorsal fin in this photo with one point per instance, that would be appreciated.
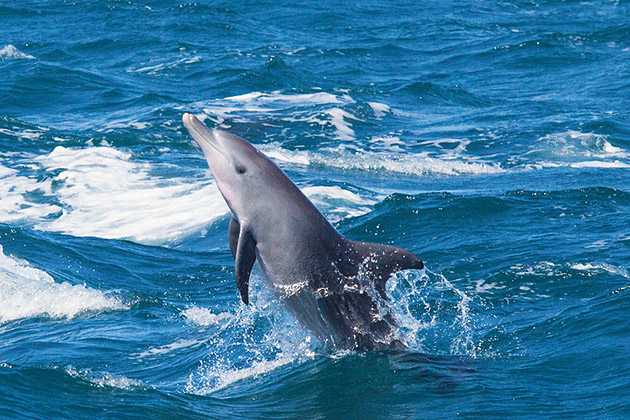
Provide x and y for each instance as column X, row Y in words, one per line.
column 243, row 249
column 384, row 260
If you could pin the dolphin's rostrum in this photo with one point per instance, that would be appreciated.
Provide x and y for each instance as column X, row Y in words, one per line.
column 332, row 285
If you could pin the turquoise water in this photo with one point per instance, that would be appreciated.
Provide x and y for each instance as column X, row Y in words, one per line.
column 489, row 138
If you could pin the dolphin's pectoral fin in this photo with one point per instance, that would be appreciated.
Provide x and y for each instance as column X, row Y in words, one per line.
column 243, row 249
column 384, row 260
column 234, row 232
column 245, row 258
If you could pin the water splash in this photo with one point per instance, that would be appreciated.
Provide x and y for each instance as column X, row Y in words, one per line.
column 433, row 315
column 248, row 341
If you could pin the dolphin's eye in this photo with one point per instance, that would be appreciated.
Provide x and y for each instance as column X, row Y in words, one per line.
column 240, row 170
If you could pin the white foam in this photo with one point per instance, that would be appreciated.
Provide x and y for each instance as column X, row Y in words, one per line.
column 27, row 292
column 409, row 164
column 303, row 98
column 340, row 119
column 204, row 317
column 14, row 205
column 104, row 193
column 543, row 268
column 223, row 377
column 612, row 269
column 105, row 379
column 600, row 164
column 379, row 109
column 233, row 108
column 28, row 134
column 107, row 195
column 10, row 52
column 390, row 143
column 125, row 122
column 579, row 150
column 481, row 286
column 5, row 172
column 338, row 203
column 157, row 68
column 454, row 146
column 178, row 344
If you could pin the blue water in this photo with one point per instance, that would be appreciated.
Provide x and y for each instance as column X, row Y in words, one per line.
column 491, row 138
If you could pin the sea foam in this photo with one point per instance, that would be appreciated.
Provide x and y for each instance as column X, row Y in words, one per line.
column 10, row 52
column 414, row 164
column 108, row 195
column 576, row 149
column 14, row 190
column 103, row 192
column 27, row 292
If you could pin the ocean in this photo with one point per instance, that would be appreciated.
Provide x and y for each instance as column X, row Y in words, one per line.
column 490, row 138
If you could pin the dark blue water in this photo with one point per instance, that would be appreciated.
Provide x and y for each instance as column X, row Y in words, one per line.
column 490, row 138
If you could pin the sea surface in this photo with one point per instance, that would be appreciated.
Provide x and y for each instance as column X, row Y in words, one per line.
column 491, row 138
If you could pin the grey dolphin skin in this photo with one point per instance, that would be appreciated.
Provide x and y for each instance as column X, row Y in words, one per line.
column 335, row 287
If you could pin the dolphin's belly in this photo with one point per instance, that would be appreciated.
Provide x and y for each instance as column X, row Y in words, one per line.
column 294, row 291
column 341, row 317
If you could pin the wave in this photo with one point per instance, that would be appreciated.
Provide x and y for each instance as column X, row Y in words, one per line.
column 337, row 203
column 585, row 196
column 102, row 192
column 577, row 150
column 158, row 66
column 277, row 97
column 609, row 268
column 335, row 118
column 417, row 164
column 9, row 52
column 315, row 108
column 104, row 379
column 27, row 292
column 438, row 94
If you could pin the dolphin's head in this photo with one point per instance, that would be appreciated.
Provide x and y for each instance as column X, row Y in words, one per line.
column 242, row 172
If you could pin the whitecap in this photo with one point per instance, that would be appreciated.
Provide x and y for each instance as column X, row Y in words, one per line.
column 168, row 348
column 379, row 109
column 600, row 164
column 10, row 52
column 417, row 164
column 27, row 292
column 579, row 150
column 341, row 120
column 105, row 379
column 612, row 269
column 155, row 69
column 102, row 192
column 389, row 143
column 298, row 98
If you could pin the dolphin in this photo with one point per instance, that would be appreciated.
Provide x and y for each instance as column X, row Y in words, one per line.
column 334, row 286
